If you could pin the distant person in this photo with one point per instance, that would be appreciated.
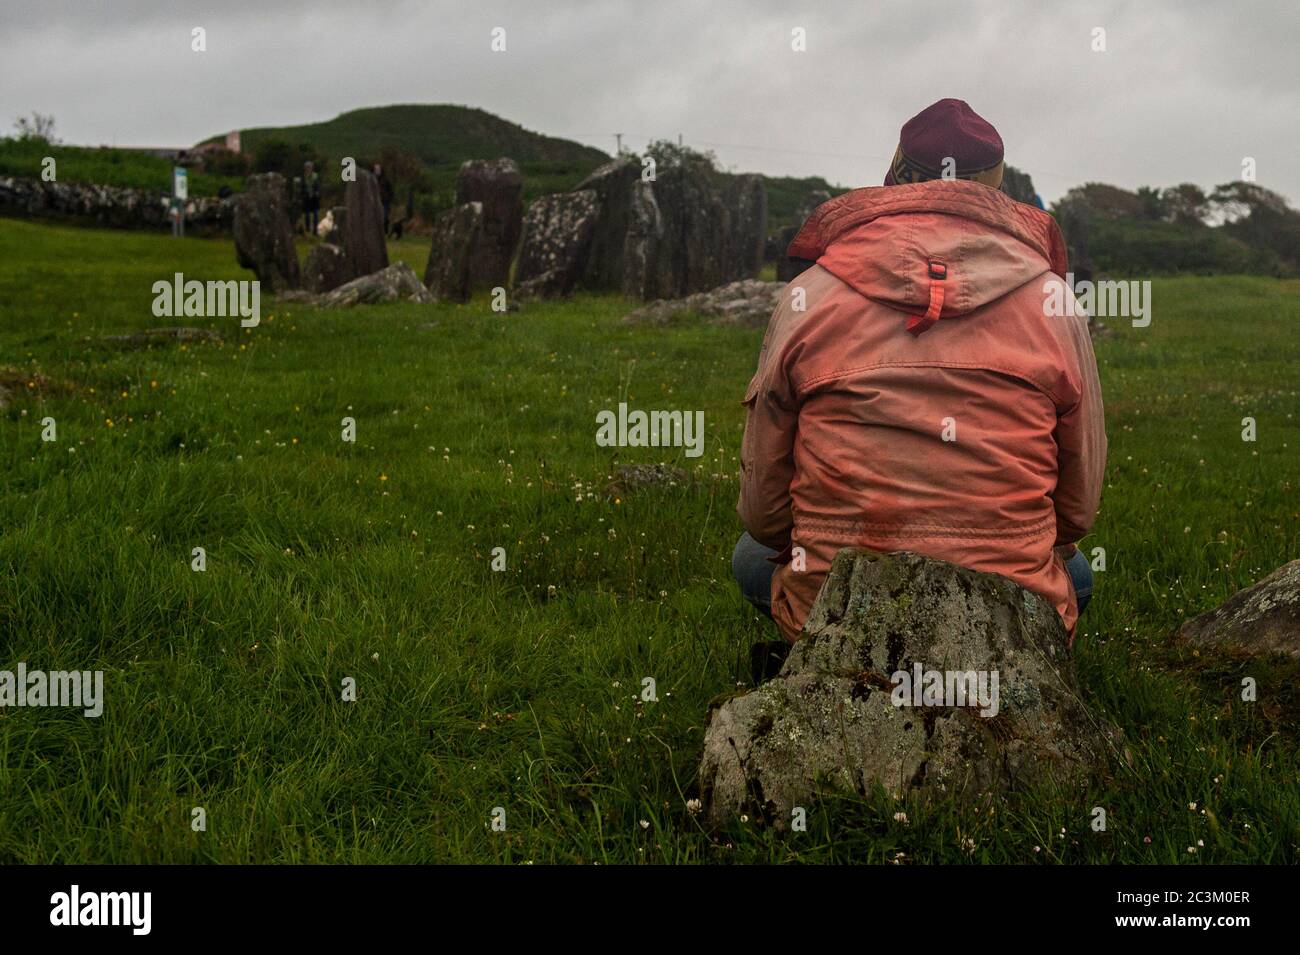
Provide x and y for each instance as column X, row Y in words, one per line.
column 385, row 193
column 916, row 395
column 309, row 188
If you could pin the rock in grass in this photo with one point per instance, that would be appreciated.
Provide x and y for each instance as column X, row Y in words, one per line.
column 749, row 302
column 630, row 477
column 395, row 283
column 829, row 720
column 1264, row 618
column 326, row 268
column 457, row 236
column 153, row 337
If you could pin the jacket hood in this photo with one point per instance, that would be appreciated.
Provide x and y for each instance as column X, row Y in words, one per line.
column 900, row 244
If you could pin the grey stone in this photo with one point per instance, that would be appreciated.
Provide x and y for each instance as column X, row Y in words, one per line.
column 694, row 244
column 456, row 235
column 633, row 477
column 363, row 234
column 151, row 337
column 746, row 199
column 1263, row 618
column 786, row 267
column 264, row 234
column 498, row 186
column 394, row 283
column 827, row 721
column 617, row 187
column 641, row 242
column 325, row 268
column 749, row 302
column 555, row 244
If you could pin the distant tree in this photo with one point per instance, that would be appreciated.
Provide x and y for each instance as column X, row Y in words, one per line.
column 278, row 155
column 38, row 127
column 1184, row 204
column 1153, row 206
column 668, row 154
column 1259, row 217
column 226, row 162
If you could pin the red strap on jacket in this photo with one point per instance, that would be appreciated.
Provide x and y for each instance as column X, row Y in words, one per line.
column 919, row 323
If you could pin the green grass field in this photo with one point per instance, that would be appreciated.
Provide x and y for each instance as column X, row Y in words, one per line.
column 520, row 689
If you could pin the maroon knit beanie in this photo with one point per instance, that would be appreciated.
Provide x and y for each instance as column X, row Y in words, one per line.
column 949, row 128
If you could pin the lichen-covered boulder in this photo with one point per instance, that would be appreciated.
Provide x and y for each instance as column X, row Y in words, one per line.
column 363, row 234
column 556, row 242
column 456, row 235
column 837, row 716
column 498, row 186
column 264, row 234
column 749, row 303
column 1264, row 618
column 396, row 283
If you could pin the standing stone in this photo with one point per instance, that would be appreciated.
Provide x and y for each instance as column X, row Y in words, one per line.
column 556, row 243
column 831, row 719
column 696, row 232
column 641, row 244
column 457, row 233
column 325, row 269
column 363, row 237
column 263, row 232
column 786, row 267
column 746, row 198
column 620, row 194
column 498, row 186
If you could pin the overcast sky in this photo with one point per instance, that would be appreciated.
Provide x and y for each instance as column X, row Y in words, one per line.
column 1183, row 92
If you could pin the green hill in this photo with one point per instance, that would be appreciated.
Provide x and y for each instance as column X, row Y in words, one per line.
column 438, row 135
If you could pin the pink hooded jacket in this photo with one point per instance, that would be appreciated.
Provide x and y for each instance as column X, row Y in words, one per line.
column 914, row 393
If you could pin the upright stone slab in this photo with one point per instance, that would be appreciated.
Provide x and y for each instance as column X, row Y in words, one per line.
column 696, row 232
column 786, row 267
column 620, row 194
column 325, row 268
column 746, row 199
column 556, row 242
column 830, row 719
column 363, row 236
column 263, row 233
column 456, row 234
column 641, row 243
column 496, row 184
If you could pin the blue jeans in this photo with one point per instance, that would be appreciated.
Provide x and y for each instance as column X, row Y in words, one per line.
column 753, row 572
